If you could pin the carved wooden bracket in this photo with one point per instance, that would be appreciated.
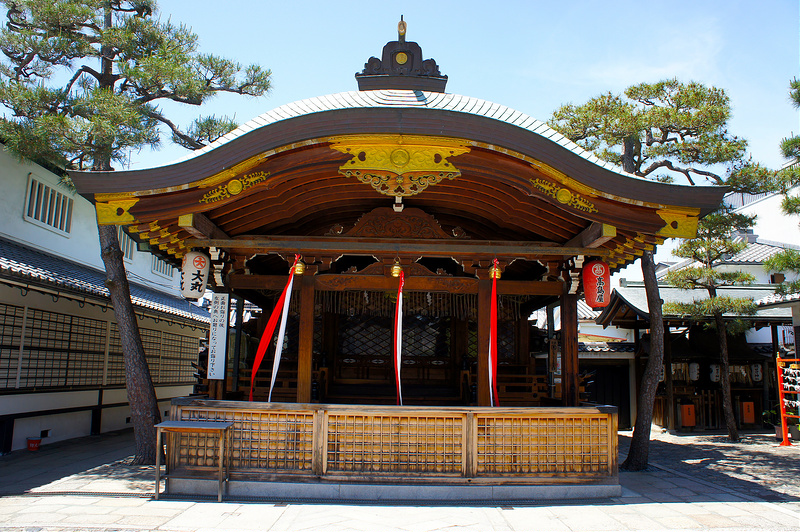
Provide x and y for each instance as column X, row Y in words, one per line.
column 384, row 222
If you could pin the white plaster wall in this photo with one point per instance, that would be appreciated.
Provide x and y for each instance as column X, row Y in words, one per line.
column 76, row 424
column 61, row 427
column 771, row 223
column 82, row 244
column 32, row 402
column 588, row 327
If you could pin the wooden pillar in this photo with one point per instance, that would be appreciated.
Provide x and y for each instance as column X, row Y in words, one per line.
column 306, row 345
column 552, row 352
column 769, row 367
column 484, row 302
column 569, row 350
column 669, row 411
column 237, row 344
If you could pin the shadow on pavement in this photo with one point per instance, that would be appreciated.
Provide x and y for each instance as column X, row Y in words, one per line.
column 753, row 467
column 693, row 467
column 24, row 470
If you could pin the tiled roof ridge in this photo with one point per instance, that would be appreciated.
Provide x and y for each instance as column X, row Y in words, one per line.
column 411, row 99
column 754, row 253
column 69, row 277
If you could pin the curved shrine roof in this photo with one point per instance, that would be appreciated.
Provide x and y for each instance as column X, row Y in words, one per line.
column 398, row 170
column 525, row 133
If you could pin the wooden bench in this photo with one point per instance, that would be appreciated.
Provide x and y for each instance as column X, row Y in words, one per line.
column 221, row 428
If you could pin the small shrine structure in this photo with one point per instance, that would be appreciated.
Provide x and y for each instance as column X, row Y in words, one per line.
column 402, row 174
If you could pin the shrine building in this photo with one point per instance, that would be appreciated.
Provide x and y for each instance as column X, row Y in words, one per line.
column 488, row 213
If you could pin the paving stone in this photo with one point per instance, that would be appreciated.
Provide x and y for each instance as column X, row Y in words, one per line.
column 714, row 521
column 36, row 518
column 147, row 522
column 94, row 519
column 678, row 522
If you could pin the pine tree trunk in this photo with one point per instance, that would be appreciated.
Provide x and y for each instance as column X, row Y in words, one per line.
column 725, row 380
column 640, row 442
column 141, row 393
column 139, row 384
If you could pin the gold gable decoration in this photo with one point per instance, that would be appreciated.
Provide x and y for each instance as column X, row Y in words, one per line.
column 115, row 212
column 678, row 224
column 563, row 195
column 234, row 187
column 397, row 165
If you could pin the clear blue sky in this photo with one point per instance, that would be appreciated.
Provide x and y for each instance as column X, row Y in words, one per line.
column 529, row 55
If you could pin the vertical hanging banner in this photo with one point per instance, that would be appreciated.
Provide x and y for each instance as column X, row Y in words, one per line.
column 596, row 278
column 281, row 310
column 194, row 274
column 218, row 336
column 398, row 338
column 494, row 400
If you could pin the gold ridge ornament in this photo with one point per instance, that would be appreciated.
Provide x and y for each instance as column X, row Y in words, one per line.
column 399, row 166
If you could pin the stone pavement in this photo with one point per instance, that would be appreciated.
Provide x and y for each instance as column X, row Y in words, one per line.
column 697, row 482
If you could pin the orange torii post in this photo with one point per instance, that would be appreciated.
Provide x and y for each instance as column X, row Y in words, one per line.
column 788, row 383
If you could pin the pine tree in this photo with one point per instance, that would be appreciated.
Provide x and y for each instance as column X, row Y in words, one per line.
column 715, row 241
column 660, row 131
column 788, row 177
column 83, row 80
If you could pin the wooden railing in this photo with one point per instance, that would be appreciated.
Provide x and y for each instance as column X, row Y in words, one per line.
column 356, row 442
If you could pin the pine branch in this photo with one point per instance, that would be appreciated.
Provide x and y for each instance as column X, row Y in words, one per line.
column 186, row 140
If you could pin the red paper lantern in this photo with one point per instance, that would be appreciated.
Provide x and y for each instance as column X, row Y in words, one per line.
column 596, row 281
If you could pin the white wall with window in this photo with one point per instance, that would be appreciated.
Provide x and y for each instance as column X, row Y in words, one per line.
column 38, row 211
column 61, row 369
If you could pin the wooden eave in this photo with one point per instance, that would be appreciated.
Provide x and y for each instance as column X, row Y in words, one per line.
column 510, row 187
column 406, row 121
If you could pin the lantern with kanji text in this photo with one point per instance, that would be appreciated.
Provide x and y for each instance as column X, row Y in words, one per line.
column 194, row 274
column 596, row 280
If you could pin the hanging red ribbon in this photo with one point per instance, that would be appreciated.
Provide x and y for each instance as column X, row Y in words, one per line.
column 494, row 400
column 269, row 330
column 398, row 337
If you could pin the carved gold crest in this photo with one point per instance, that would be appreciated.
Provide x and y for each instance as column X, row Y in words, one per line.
column 563, row 195
column 396, row 165
column 234, row 187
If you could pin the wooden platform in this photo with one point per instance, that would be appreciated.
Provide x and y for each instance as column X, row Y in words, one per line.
column 425, row 445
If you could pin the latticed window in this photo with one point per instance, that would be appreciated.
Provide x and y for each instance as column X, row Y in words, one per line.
column 49, row 207
column 50, row 350
column 126, row 243
column 162, row 267
column 506, row 342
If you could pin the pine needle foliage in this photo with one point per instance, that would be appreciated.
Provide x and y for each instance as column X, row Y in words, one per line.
column 788, row 261
column 657, row 130
column 83, row 82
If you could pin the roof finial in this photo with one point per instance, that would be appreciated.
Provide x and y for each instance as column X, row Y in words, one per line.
column 401, row 30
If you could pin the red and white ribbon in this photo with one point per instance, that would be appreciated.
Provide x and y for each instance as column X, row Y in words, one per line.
column 398, row 338
column 494, row 400
column 281, row 310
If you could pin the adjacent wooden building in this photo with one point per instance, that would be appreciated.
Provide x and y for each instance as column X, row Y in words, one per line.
column 402, row 172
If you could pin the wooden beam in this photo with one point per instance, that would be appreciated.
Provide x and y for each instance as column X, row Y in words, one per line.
column 199, row 226
column 488, row 249
column 593, row 236
column 461, row 285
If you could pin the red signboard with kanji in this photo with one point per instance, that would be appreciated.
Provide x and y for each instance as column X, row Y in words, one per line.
column 596, row 280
